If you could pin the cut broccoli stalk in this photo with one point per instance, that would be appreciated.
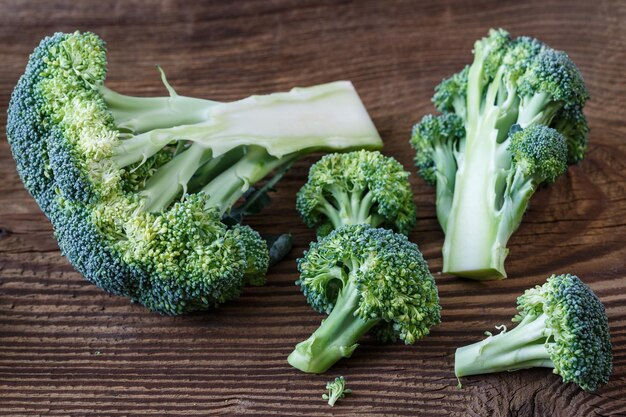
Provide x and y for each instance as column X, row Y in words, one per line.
column 521, row 348
column 270, row 131
column 520, row 106
column 337, row 336
column 472, row 248
column 315, row 118
column 481, row 224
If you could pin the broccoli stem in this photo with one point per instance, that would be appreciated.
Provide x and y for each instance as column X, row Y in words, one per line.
column 225, row 189
column 336, row 337
column 324, row 117
column 521, row 348
column 171, row 179
column 445, row 176
column 224, row 179
column 354, row 207
column 211, row 169
column 539, row 108
column 519, row 190
column 473, row 247
column 143, row 114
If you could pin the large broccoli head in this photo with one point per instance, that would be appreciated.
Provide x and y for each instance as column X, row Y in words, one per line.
column 136, row 187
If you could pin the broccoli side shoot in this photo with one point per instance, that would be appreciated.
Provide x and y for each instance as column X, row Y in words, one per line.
column 336, row 390
column 561, row 325
column 473, row 152
column 140, row 189
column 438, row 142
column 363, row 278
column 354, row 188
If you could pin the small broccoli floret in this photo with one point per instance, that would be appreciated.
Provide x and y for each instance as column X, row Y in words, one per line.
column 438, row 140
column 363, row 277
column 357, row 187
column 336, row 390
column 257, row 254
column 451, row 94
column 138, row 189
column 539, row 153
column 561, row 325
column 551, row 81
column 512, row 85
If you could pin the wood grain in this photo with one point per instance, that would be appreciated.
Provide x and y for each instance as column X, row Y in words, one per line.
column 67, row 348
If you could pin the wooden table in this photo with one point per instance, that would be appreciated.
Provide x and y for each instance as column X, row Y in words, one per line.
column 67, row 348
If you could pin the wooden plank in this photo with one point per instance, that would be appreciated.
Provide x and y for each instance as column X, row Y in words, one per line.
column 67, row 348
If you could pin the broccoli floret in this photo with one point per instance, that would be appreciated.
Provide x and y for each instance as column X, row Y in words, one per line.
column 357, row 187
column 336, row 390
column 472, row 151
column 138, row 189
column 438, row 142
column 450, row 94
column 561, row 325
column 363, row 277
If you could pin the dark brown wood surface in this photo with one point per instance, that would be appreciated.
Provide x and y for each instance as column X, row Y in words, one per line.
column 67, row 348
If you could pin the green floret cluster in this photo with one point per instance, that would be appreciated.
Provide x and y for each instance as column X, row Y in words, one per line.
column 354, row 188
column 364, row 278
column 561, row 325
column 506, row 120
column 137, row 188
column 438, row 141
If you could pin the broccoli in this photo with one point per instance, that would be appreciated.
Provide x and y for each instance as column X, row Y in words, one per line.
column 139, row 189
column 511, row 122
column 357, row 187
column 561, row 325
column 336, row 390
column 364, row 278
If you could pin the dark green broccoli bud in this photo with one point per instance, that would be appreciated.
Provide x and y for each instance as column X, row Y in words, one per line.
column 336, row 390
column 357, row 187
column 278, row 246
column 93, row 253
column 136, row 188
column 561, row 325
column 438, row 140
column 539, row 153
column 551, row 82
column 363, row 277
column 26, row 132
column 483, row 187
